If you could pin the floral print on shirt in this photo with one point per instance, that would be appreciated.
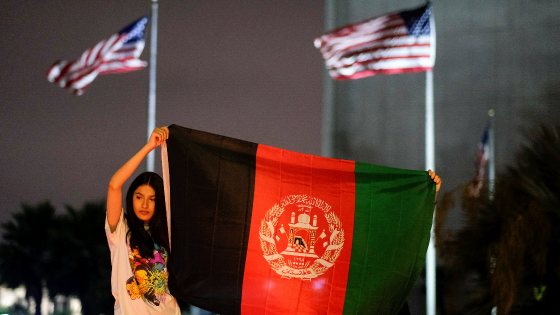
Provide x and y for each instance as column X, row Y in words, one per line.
column 149, row 280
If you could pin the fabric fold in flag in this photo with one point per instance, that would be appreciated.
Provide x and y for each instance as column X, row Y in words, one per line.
column 262, row 230
column 119, row 53
column 393, row 43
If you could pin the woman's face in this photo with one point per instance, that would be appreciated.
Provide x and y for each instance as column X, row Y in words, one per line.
column 144, row 203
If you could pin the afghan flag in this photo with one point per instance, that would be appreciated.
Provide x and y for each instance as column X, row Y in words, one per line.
column 262, row 230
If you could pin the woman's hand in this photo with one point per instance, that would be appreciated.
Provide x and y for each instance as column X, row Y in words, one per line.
column 436, row 180
column 158, row 137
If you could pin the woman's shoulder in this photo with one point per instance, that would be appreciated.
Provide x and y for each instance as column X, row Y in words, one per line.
column 120, row 232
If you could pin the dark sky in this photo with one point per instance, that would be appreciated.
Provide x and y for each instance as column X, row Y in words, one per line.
column 245, row 69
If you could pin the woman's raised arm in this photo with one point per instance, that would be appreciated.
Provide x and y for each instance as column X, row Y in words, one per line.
column 114, row 194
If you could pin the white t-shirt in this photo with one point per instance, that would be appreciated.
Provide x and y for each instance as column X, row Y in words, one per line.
column 139, row 285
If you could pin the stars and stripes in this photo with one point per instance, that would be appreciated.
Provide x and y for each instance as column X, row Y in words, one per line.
column 392, row 43
column 482, row 156
column 119, row 53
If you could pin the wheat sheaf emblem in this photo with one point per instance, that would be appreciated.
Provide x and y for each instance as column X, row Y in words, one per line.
column 304, row 237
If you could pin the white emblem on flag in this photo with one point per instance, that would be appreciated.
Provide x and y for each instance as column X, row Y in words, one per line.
column 299, row 259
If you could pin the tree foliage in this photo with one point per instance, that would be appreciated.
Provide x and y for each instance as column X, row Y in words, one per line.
column 67, row 253
column 508, row 253
column 25, row 255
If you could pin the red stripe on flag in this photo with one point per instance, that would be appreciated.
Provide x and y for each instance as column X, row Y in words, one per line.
column 376, row 60
column 282, row 274
column 358, row 27
column 385, row 28
column 126, row 50
column 376, row 48
column 338, row 45
column 366, row 44
column 122, row 68
column 101, row 52
column 367, row 73
column 64, row 71
column 81, row 76
column 93, row 55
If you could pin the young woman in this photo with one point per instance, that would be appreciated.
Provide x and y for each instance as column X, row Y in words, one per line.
column 138, row 239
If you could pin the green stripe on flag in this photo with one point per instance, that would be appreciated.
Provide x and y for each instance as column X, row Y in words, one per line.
column 393, row 218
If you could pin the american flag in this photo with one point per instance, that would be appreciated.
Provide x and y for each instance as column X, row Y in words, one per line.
column 482, row 154
column 392, row 43
column 119, row 53
column 480, row 163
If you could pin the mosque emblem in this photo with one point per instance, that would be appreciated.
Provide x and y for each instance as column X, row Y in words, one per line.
column 307, row 233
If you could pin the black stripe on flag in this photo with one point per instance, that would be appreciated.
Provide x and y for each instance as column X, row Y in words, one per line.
column 212, row 181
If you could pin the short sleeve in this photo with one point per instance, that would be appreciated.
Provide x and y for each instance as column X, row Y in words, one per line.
column 119, row 233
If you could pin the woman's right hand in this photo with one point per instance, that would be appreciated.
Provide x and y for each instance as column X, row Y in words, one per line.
column 158, row 137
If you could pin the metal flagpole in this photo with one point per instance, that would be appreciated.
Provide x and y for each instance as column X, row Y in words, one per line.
column 328, row 91
column 430, row 165
column 491, row 161
column 491, row 171
column 152, row 93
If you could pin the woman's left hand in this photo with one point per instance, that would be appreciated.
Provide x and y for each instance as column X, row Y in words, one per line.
column 436, row 180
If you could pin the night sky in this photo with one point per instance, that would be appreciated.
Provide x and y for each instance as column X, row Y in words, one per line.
column 245, row 69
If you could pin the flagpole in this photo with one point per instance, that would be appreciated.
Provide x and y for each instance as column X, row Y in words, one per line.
column 430, row 165
column 152, row 88
column 327, row 134
column 431, row 261
column 491, row 170
column 491, row 161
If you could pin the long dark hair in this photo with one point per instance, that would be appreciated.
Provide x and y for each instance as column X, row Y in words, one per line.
column 139, row 237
